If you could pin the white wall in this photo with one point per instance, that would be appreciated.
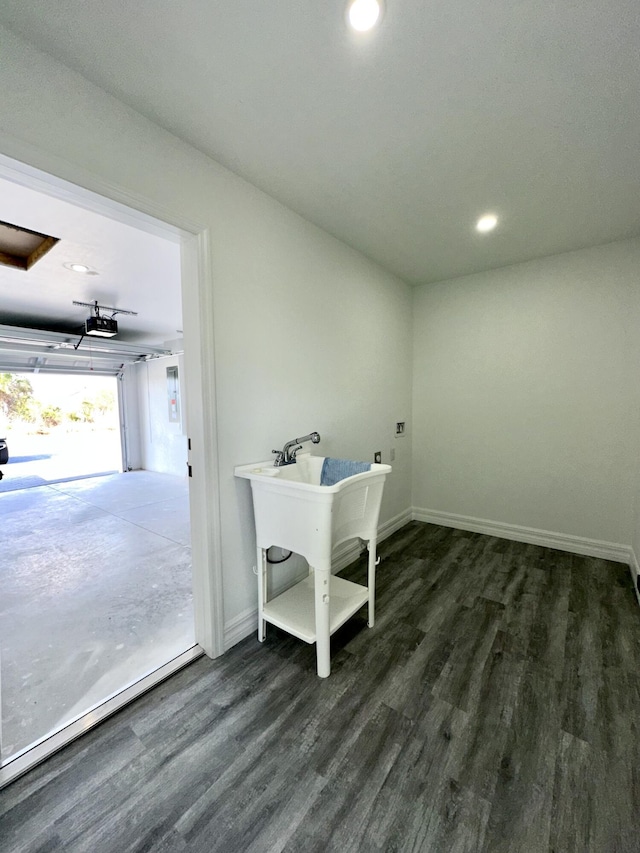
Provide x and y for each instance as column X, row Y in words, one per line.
column 129, row 395
column 163, row 442
column 309, row 334
column 525, row 394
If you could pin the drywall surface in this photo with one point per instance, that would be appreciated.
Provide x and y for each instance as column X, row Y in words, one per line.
column 129, row 400
column 309, row 335
column 163, row 436
column 525, row 394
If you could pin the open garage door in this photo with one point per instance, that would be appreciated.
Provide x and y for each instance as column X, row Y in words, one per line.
column 73, row 417
column 32, row 350
column 61, row 427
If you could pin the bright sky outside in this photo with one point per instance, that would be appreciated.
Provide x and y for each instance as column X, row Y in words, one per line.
column 55, row 389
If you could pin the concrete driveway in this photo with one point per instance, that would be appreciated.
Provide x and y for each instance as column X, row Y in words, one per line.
column 37, row 460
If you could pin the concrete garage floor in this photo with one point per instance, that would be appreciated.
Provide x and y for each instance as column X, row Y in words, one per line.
column 95, row 593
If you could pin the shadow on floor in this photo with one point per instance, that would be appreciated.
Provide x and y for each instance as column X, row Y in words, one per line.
column 16, row 460
column 13, row 484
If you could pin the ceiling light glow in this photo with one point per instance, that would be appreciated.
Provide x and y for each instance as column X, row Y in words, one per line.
column 78, row 267
column 364, row 14
column 486, row 223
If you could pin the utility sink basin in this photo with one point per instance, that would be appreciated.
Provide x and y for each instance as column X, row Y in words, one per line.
column 292, row 510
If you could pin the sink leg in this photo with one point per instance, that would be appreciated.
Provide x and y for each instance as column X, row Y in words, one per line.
column 261, row 566
column 371, row 582
column 322, row 607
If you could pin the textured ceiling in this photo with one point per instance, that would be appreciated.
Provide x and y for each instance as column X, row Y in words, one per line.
column 398, row 140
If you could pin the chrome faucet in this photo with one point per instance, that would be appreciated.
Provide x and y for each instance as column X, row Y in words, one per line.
column 287, row 456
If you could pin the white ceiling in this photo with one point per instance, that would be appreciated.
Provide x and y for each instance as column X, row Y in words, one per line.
column 136, row 270
column 398, row 140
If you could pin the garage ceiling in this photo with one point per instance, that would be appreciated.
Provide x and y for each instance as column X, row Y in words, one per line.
column 129, row 268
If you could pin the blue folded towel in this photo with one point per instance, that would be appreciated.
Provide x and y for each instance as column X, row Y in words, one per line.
column 334, row 470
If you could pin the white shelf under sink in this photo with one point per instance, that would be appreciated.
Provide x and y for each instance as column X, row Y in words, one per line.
column 294, row 610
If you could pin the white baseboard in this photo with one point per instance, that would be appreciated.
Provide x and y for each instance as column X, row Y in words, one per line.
column 635, row 573
column 246, row 623
column 385, row 530
column 240, row 626
column 531, row 535
column 350, row 551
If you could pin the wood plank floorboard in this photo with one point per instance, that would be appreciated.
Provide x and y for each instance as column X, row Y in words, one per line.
column 493, row 708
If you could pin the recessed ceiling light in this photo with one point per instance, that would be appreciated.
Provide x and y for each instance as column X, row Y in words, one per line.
column 364, row 14
column 486, row 223
column 81, row 268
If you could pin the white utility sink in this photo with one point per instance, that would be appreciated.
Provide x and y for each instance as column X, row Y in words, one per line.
column 293, row 511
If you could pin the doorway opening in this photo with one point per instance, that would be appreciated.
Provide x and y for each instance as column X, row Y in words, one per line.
column 114, row 548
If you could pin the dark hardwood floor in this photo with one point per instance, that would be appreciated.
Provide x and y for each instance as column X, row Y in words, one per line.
column 494, row 707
